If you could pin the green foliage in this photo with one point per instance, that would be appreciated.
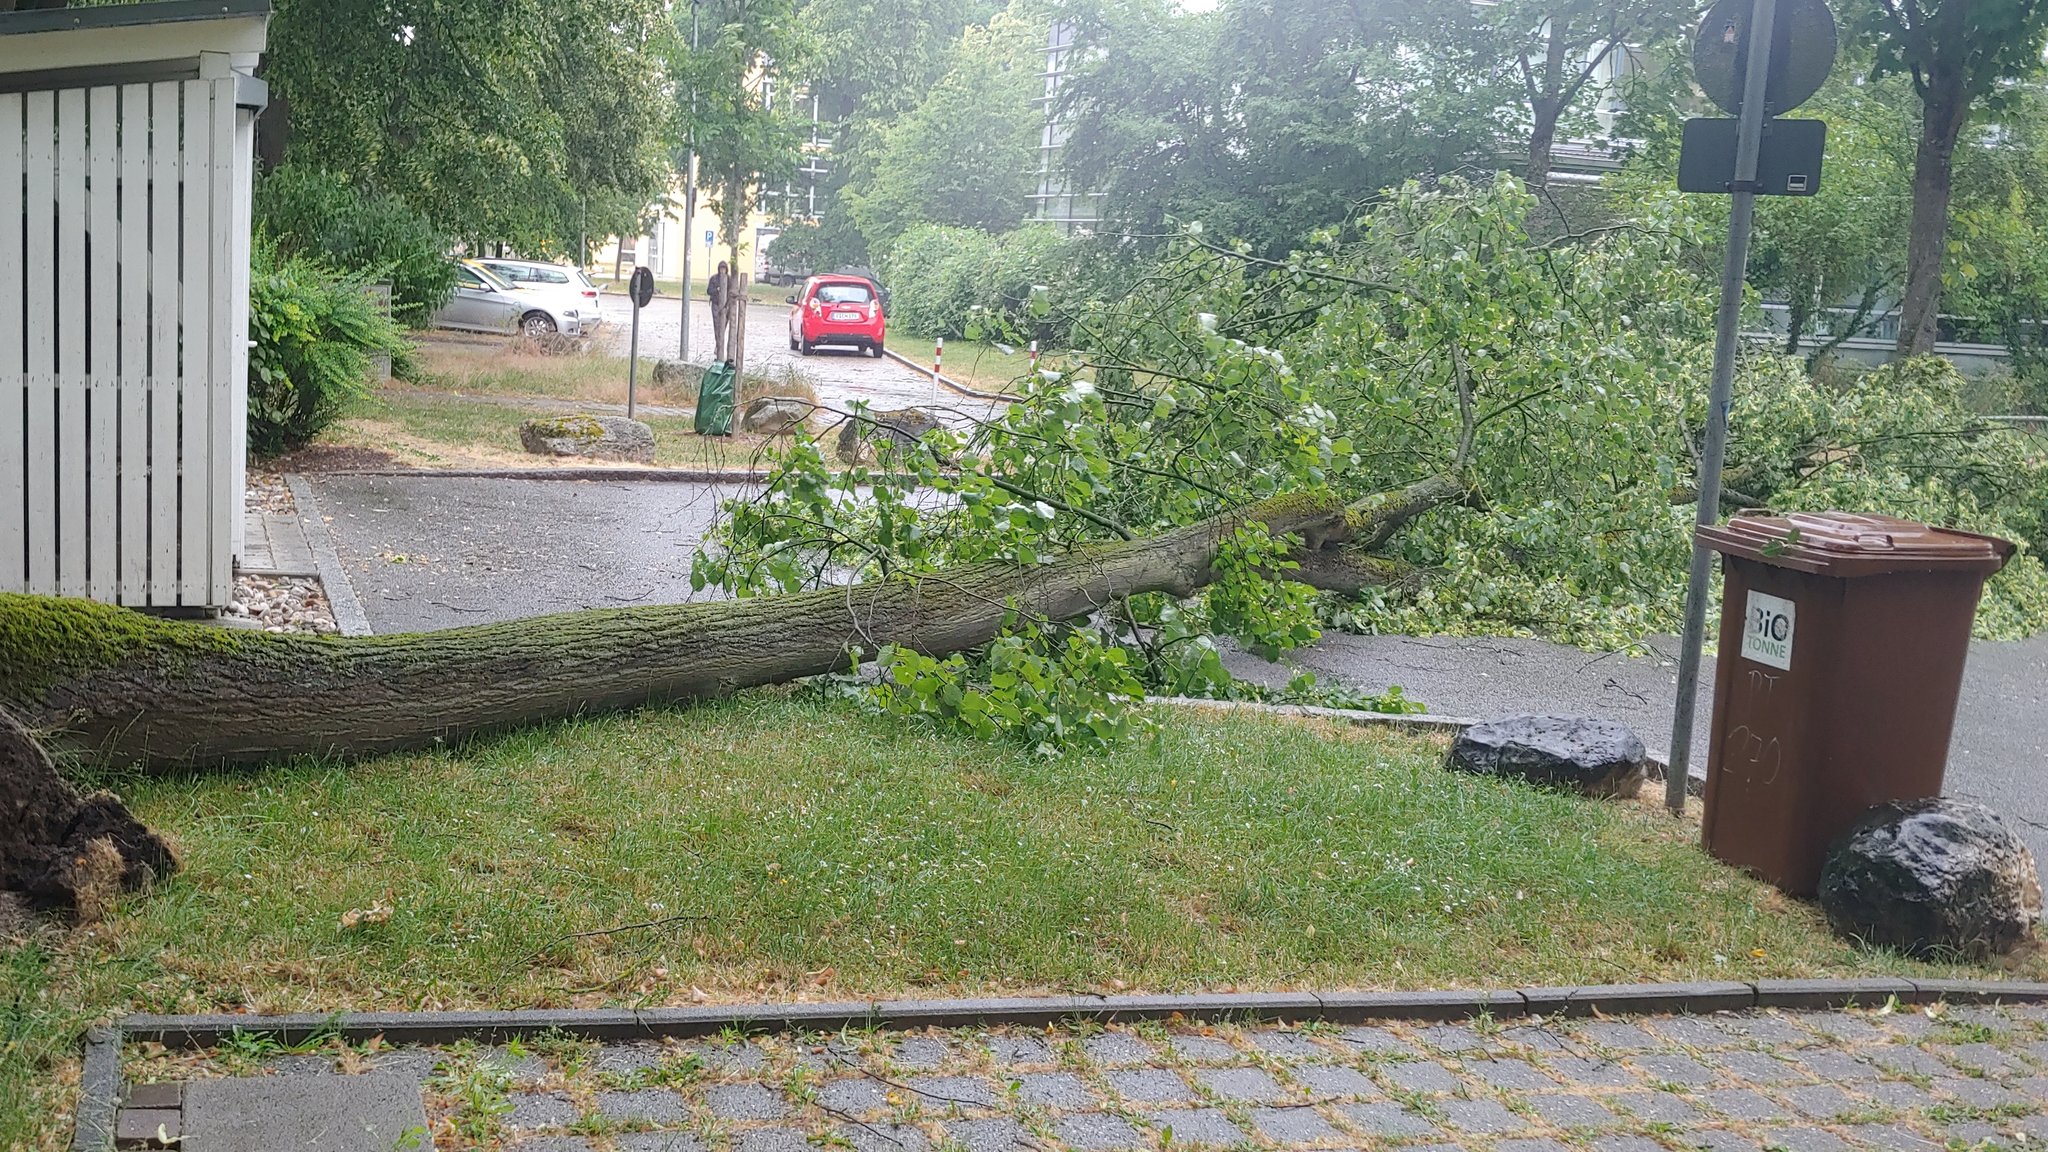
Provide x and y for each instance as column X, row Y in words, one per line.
column 532, row 123
column 312, row 333
column 960, row 282
column 1982, row 44
column 813, row 246
column 1048, row 688
column 725, row 87
column 374, row 236
column 1251, row 599
column 1266, row 122
column 968, row 153
column 1543, row 398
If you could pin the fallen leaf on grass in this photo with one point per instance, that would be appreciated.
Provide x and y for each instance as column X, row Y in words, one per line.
column 377, row 913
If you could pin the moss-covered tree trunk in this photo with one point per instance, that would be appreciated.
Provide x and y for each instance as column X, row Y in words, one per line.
column 117, row 687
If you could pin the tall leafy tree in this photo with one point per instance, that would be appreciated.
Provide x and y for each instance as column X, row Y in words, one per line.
column 967, row 154
column 738, row 86
column 1263, row 120
column 1842, row 251
column 1548, row 58
column 862, row 89
column 1961, row 55
column 504, row 121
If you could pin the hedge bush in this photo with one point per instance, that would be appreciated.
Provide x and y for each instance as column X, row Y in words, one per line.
column 307, row 212
column 962, row 282
column 313, row 333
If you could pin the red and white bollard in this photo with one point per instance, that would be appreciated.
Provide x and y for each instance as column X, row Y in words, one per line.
column 938, row 357
column 1034, row 355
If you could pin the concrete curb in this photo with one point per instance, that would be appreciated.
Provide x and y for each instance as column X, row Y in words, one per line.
column 1659, row 763
column 99, row 1092
column 341, row 595
column 1335, row 1007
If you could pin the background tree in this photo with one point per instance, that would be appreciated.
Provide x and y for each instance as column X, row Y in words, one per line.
column 498, row 121
column 967, row 153
column 1838, row 259
column 862, row 90
column 747, row 128
column 1262, row 121
column 1961, row 54
column 1548, row 58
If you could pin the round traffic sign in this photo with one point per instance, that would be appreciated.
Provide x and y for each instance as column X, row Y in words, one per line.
column 1802, row 53
column 641, row 287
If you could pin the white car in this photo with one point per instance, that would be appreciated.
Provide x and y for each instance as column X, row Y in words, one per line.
column 562, row 281
column 540, row 313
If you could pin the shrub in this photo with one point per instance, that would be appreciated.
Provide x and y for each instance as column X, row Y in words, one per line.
column 376, row 237
column 962, row 282
column 312, row 334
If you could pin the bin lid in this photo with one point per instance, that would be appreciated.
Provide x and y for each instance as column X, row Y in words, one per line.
column 1852, row 544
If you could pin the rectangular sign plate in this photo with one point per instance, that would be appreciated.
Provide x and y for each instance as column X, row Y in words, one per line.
column 1767, row 630
column 1787, row 162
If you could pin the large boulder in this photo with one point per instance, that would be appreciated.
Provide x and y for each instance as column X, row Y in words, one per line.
column 775, row 415
column 903, row 427
column 1579, row 753
column 1932, row 878
column 679, row 374
column 597, row 437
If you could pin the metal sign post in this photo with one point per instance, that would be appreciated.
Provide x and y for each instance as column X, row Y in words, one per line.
column 1721, row 36
column 689, row 201
column 641, row 289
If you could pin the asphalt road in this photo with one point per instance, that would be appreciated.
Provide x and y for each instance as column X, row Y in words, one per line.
column 425, row 552
column 440, row 552
column 839, row 376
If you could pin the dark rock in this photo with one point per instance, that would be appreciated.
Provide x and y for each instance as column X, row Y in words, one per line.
column 598, row 437
column 775, row 415
column 902, row 427
column 1588, row 756
column 64, row 851
column 1932, row 878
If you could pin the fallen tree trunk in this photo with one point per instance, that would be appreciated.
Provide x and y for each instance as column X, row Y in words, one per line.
column 118, row 687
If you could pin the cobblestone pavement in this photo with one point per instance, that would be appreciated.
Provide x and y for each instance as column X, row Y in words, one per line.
column 1902, row 1081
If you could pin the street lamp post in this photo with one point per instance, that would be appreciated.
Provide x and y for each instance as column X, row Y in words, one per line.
column 689, row 197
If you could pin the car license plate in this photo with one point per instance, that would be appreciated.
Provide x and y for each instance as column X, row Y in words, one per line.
column 846, row 315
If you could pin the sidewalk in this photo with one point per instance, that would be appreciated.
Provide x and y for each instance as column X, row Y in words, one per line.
column 1421, row 1071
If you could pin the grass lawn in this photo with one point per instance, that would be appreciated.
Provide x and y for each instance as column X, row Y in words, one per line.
column 791, row 845
column 436, row 424
column 424, row 429
column 975, row 363
column 496, row 366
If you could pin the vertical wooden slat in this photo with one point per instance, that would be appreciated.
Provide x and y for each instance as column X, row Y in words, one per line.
column 103, row 342
column 73, row 386
column 13, row 391
column 195, row 364
column 228, row 499
column 133, row 258
column 163, row 342
column 39, row 257
column 244, row 162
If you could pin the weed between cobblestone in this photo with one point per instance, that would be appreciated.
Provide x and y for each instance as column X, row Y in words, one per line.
column 1248, row 1086
column 783, row 846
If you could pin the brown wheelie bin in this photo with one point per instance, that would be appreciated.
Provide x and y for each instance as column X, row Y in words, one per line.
column 1842, row 645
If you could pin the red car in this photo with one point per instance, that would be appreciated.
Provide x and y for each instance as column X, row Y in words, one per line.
column 837, row 310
